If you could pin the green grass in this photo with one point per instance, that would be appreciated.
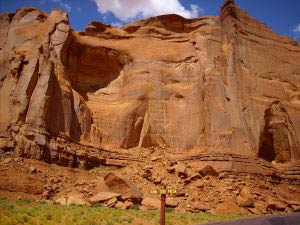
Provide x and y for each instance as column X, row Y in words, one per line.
column 39, row 213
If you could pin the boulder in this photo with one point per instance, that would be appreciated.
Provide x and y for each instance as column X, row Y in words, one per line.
column 7, row 161
column 246, row 193
column 125, row 187
column 77, row 199
column 171, row 202
column 245, row 198
column 111, row 202
column 32, row 169
column 62, row 201
column 187, row 181
column 292, row 189
column 100, row 185
column 119, row 205
column 275, row 205
column 254, row 211
column 103, row 197
column 151, row 203
column 292, row 202
column 200, row 184
column 295, row 208
column 208, row 171
column 154, row 158
column 189, row 208
column 170, row 169
column 228, row 208
column 147, row 174
column 6, row 144
column 200, row 206
column 157, row 180
column 195, row 176
column 180, row 194
column 127, row 205
column 245, row 202
column 181, row 170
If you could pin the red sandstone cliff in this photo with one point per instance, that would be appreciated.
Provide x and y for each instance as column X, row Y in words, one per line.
column 224, row 85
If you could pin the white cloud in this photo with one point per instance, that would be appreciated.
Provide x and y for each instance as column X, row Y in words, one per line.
column 126, row 10
column 297, row 28
column 66, row 6
column 196, row 10
column 62, row 4
column 116, row 24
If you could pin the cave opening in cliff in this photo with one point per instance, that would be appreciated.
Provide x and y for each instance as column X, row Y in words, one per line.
column 93, row 67
column 266, row 142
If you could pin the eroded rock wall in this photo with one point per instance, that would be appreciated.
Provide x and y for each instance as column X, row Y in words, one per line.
column 225, row 84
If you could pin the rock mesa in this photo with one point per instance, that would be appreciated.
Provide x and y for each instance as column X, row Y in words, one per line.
column 225, row 88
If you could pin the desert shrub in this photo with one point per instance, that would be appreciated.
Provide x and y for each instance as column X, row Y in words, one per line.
column 96, row 205
column 169, row 210
column 109, row 223
column 42, row 202
column 25, row 218
column 125, row 218
column 73, row 204
column 136, row 207
column 26, row 201
column 92, row 222
column 48, row 216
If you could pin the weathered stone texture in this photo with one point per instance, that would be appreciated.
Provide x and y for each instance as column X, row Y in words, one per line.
column 225, row 84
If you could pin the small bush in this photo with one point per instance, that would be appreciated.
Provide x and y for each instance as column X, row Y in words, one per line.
column 125, row 219
column 73, row 204
column 136, row 207
column 96, row 205
column 24, row 218
column 26, row 201
column 48, row 216
column 91, row 222
column 42, row 202
column 169, row 210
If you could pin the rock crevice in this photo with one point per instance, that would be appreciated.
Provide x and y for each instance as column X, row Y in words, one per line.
column 211, row 85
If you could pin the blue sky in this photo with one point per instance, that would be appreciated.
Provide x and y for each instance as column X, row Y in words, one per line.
column 283, row 16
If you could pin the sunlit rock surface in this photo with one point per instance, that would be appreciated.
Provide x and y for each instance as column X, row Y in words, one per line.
column 226, row 87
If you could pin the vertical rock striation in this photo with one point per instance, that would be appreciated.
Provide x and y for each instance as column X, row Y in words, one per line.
column 210, row 85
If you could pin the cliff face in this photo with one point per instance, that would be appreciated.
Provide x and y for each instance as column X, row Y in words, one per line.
column 210, row 85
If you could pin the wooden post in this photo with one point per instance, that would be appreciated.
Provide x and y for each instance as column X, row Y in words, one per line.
column 163, row 209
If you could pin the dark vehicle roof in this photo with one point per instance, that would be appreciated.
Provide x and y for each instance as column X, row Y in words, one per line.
column 287, row 219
